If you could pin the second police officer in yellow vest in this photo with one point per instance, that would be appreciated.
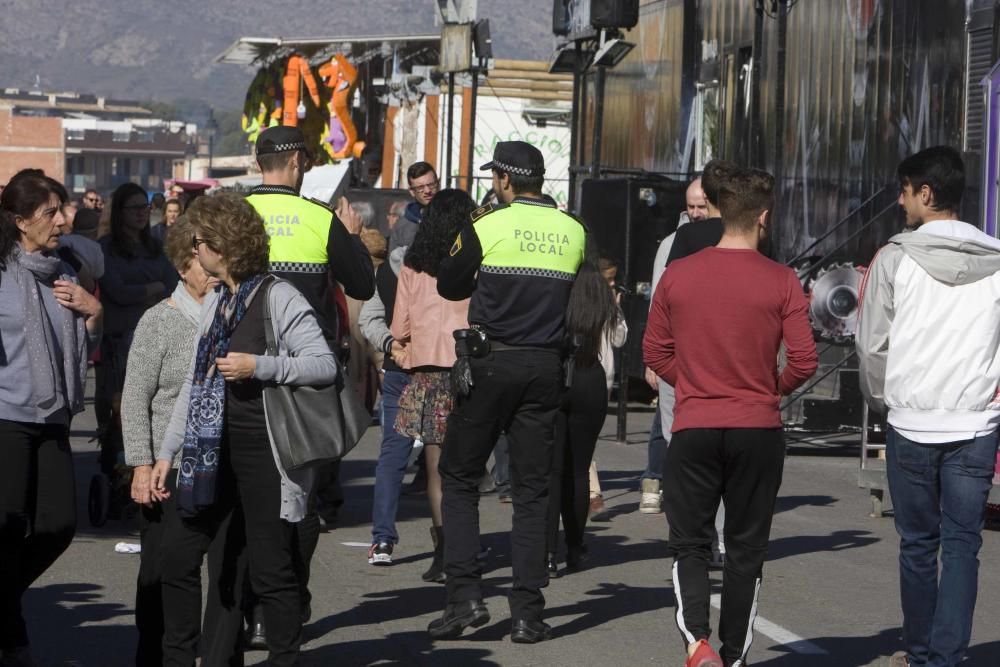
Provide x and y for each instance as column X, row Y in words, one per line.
column 310, row 244
column 518, row 261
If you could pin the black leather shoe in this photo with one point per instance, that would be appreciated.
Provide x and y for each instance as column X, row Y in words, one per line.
column 256, row 637
column 529, row 632
column 552, row 566
column 576, row 557
column 457, row 617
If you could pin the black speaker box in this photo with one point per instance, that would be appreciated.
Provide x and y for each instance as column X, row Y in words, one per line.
column 560, row 17
column 613, row 14
column 482, row 40
column 627, row 219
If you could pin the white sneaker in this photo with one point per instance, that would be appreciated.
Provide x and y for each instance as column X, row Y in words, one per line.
column 649, row 502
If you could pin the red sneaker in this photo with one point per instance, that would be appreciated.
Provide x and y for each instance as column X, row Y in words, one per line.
column 704, row 656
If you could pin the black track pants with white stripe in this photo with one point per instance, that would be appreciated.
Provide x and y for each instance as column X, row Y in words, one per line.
column 743, row 468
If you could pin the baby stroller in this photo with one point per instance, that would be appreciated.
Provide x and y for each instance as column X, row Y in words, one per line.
column 110, row 492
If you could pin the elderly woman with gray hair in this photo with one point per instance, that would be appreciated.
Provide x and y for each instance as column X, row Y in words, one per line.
column 49, row 325
column 231, row 486
column 158, row 360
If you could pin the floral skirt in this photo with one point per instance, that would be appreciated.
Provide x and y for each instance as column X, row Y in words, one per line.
column 424, row 407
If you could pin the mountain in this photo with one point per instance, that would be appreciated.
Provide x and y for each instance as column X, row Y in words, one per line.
column 154, row 50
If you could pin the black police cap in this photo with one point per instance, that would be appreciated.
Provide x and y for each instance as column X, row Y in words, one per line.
column 518, row 158
column 281, row 139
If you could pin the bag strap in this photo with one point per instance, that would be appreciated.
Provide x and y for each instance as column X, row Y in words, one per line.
column 269, row 337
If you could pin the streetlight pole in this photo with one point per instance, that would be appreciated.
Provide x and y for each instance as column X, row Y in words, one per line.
column 211, row 127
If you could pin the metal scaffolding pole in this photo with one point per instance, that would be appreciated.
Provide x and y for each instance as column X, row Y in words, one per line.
column 472, row 130
column 451, row 126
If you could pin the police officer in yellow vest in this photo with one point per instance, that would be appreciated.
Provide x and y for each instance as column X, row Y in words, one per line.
column 310, row 243
column 311, row 246
column 518, row 261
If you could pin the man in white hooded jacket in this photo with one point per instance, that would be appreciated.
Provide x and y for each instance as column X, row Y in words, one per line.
column 929, row 349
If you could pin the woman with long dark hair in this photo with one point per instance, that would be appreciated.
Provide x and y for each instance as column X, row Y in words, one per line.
column 594, row 324
column 137, row 276
column 423, row 323
column 48, row 323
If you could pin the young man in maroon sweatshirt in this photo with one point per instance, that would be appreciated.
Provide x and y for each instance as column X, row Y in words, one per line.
column 715, row 327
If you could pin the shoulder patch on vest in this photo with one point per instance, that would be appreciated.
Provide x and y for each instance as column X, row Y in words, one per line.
column 577, row 219
column 483, row 211
column 320, row 203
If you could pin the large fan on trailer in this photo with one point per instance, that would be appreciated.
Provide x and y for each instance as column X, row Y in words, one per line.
column 834, row 300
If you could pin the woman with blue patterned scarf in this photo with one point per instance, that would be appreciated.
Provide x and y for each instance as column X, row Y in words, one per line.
column 231, row 490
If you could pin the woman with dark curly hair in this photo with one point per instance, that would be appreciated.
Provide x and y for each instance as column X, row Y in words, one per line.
column 48, row 322
column 231, row 489
column 422, row 325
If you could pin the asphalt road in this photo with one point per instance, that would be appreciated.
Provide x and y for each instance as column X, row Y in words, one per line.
column 830, row 595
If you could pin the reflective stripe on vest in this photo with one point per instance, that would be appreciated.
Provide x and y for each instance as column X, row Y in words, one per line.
column 529, row 240
column 299, row 232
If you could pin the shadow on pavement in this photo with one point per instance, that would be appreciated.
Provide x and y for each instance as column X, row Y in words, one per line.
column 404, row 649
column 789, row 503
column 873, row 651
column 605, row 603
column 72, row 611
column 798, row 545
column 383, row 607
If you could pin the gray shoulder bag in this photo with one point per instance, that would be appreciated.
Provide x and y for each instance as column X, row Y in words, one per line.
column 311, row 425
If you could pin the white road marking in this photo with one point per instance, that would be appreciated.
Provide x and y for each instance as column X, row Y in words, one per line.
column 357, row 544
column 786, row 638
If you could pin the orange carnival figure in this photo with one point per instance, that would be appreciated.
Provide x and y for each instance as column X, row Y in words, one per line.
column 297, row 71
column 341, row 77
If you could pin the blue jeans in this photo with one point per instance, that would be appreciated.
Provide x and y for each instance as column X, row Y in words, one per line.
column 657, row 442
column 657, row 450
column 392, row 459
column 501, row 465
column 939, row 493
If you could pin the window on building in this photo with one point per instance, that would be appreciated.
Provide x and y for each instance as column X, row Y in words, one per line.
column 706, row 117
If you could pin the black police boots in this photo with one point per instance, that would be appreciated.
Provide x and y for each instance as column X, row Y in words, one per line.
column 523, row 631
column 457, row 617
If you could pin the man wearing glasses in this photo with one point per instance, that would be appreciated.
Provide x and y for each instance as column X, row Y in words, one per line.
column 424, row 184
column 91, row 199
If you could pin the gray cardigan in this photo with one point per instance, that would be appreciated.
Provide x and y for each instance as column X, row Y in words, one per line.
column 158, row 362
column 15, row 368
column 304, row 359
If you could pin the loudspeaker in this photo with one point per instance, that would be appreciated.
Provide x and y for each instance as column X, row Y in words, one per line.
column 613, row 14
column 560, row 17
column 481, row 40
column 628, row 218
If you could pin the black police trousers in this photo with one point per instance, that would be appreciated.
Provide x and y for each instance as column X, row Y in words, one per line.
column 517, row 391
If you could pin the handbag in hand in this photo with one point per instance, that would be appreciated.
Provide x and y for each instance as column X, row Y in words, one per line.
column 311, row 425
